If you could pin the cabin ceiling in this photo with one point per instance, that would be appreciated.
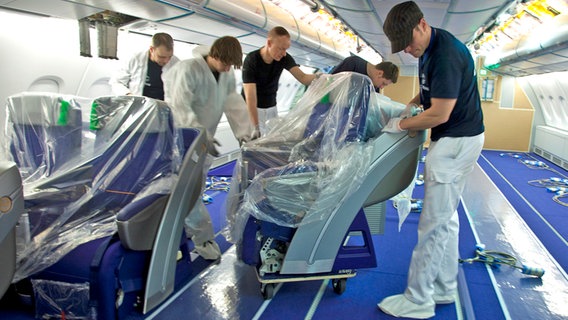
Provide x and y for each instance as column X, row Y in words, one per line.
column 199, row 21
column 202, row 21
column 465, row 19
column 460, row 17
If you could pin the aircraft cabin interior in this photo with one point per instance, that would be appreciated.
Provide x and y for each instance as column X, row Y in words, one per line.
column 317, row 218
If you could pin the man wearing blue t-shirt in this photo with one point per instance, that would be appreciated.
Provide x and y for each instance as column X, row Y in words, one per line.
column 261, row 72
column 381, row 74
column 452, row 110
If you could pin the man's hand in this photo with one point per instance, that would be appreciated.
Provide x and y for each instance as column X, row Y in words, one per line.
column 211, row 149
column 411, row 110
column 255, row 133
column 393, row 126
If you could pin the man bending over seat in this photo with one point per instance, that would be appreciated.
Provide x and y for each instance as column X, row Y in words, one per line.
column 199, row 91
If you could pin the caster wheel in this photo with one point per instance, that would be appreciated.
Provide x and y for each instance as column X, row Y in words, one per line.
column 339, row 285
column 267, row 291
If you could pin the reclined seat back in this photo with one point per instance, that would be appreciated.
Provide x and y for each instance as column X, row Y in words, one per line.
column 355, row 103
column 45, row 132
column 336, row 116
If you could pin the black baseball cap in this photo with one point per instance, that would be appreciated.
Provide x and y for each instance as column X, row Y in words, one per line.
column 399, row 23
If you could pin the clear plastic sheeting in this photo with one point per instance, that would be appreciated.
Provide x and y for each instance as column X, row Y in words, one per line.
column 313, row 158
column 42, row 130
column 127, row 146
column 52, row 299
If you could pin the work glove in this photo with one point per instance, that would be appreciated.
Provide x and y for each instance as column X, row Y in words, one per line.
column 411, row 110
column 255, row 133
column 211, row 149
column 393, row 126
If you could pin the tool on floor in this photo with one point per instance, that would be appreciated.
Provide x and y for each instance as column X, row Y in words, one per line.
column 495, row 259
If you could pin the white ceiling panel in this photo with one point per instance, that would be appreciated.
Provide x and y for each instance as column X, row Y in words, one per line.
column 465, row 31
column 205, row 25
column 525, row 65
column 562, row 52
column 253, row 40
column 185, row 35
column 562, row 66
column 146, row 9
column 477, row 6
column 548, row 59
column 55, row 8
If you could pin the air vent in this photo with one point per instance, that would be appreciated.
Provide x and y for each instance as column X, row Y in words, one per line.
column 106, row 23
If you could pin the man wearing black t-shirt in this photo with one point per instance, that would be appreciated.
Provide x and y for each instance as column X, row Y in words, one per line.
column 382, row 74
column 452, row 109
column 142, row 75
column 261, row 72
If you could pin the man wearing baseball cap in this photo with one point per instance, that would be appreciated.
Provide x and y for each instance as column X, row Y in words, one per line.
column 452, row 110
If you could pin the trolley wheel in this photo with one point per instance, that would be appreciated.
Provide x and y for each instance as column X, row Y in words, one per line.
column 267, row 290
column 339, row 285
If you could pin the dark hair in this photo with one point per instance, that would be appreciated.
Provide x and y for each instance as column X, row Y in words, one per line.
column 163, row 39
column 278, row 31
column 390, row 70
column 227, row 50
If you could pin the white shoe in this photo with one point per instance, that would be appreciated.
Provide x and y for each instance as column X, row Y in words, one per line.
column 209, row 250
column 399, row 306
column 444, row 298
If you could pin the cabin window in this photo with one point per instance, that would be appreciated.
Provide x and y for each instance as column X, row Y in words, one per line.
column 46, row 84
column 100, row 87
column 487, row 89
column 507, row 90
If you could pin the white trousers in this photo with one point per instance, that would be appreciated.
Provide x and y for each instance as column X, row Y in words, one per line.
column 263, row 116
column 198, row 221
column 434, row 262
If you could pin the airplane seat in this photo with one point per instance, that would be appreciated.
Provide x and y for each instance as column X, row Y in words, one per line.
column 294, row 217
column 139, row 220
column 149, row 255
column 44, row 131
column 320, row 130
column 135, row 144
column 135, row 156
column 11, row 208
column 162, row 240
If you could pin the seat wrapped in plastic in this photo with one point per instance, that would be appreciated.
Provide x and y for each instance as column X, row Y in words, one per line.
column 139, row 220
column 314, row 157
column 44, row 131
column 131, row 151
column 299, row 192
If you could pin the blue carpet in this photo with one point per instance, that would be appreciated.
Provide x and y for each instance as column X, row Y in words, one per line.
column 225, row 170
column 363, row 292
column 548, row 218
